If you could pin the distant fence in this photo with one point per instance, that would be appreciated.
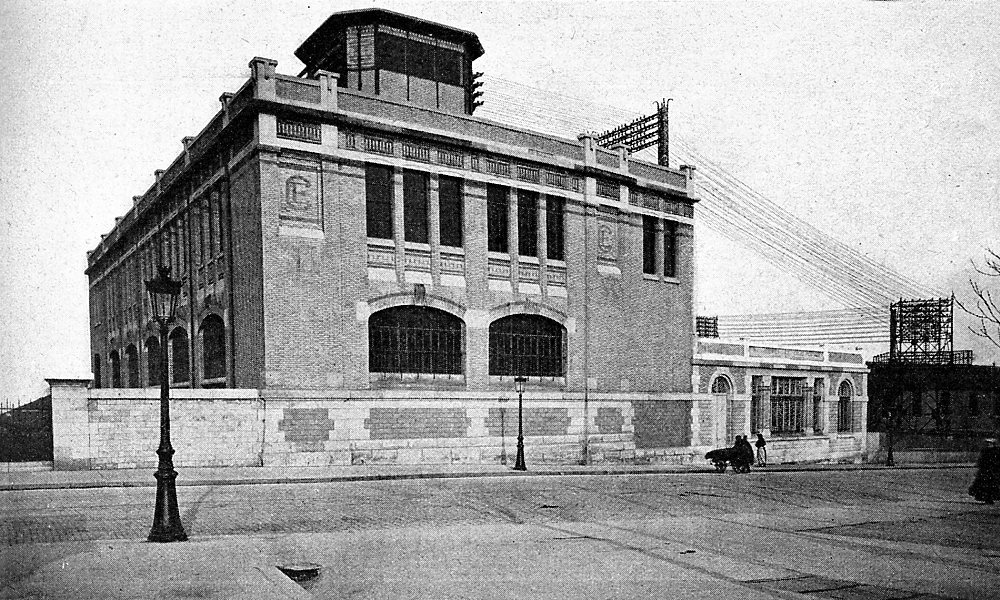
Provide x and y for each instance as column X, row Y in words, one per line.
column 26, row 431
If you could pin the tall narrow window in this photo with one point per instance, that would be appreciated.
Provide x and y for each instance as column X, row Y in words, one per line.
column 818, row 387
column 132, row 365
column 378, row 201
column 555, row 228
column 180, row 354
column 844, row 417
column 450, row 211
column 527, row 223
column 496, row 217
column 153, row 361
column 758, row 396
column 97, row 371
column 669, row 249
column 116, row 371
column 787, row 404
column 213, row 334
column 648, row 245
column 415, row 207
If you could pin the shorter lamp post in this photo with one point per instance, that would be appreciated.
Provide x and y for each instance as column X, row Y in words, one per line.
column 167, row 527
column 519, row 386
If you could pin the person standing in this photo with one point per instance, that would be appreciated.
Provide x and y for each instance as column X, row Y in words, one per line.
column 761, row 450
column 986, row 486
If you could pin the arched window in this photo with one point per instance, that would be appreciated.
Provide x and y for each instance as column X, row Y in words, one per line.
column 132, row 365
column 844, row 420
column 180, row 355
column 116, row 371
column 97, row 371
column 721, row 386
column 723, row 389
column 527, row 345
column 415, row 340
column 213, row 347
column 153, row 361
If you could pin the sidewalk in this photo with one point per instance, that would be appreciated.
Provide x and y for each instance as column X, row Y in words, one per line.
column 203, row 476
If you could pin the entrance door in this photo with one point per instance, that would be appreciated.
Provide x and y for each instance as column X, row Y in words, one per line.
column 723, row 392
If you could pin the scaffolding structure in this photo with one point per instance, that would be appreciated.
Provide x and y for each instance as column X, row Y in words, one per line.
column 921, row 332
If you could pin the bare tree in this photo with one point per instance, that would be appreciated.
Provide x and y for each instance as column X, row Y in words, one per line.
column 985, row 306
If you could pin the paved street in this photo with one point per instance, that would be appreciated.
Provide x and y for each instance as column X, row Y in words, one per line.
column 830, row 534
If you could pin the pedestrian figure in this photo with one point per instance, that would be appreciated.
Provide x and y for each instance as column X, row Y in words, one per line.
column 761, row 450
column 986, row 486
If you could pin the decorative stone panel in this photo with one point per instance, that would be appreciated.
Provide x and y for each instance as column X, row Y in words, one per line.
column 609, row 420
column 417, row 423
column 306, row 428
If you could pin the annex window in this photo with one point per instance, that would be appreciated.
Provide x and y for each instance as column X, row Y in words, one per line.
column 450, row 211
column 415, row 207
column 787, row 404
column 132, row 365
column 378, row 201
column 555, row 232
column 116, row 371
column 844, row 420
column 648, row 245
column 527, row 223
column 213, row 347
column 181, row 356
column 818, row 387
column 669, row 249
column 415, row 340
column 528, row 346
column 758, row 397
column 153, row 361
column 497, row 215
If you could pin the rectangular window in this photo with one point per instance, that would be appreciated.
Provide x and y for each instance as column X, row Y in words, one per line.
column 757, row 397
column 496, row 217
column 527, row 223
column 555, row 228
column 817, row 404
column 378, row 201
column 648, row 245
column 415, row 207
column 450, row 211
column 669, row 249
column 787, row 403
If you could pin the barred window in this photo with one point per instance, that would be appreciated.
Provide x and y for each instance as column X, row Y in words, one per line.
column 132, row 365
column 378, row 201
column 528, row 346
column 497, row 215
column 721, row 386
column 844, row 420
column 153, row 361
column 450, row 211
column 180, row 354
column 415, row 340
column 555, row 241
column 527, row 223
column 213, row 347
column 787, row 404
column 415, row 207
column 669, row 249
column 648, row 245
column 818, row 387
column 116, row 373
column 758, row 396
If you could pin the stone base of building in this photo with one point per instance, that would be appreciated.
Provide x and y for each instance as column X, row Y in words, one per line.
column 119, row 428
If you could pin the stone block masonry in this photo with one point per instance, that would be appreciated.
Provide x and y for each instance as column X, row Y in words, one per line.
column 119, row 428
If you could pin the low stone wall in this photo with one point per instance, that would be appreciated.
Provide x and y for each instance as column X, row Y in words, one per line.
column 119, row 428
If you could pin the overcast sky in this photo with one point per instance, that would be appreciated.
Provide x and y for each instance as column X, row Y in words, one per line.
column 879, row 122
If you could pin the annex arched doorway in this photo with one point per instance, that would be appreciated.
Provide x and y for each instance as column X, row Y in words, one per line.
column 722, row 389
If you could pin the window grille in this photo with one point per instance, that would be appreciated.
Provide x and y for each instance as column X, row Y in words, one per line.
column 555, row 227
column 497, row 216
column 758, row 397
column 180, row 355
column 669, row 249
column 214, row 347
column 527, row 346
column 787, row 404
column 378, row 201
column 527, row 223
column 415, row 207
column 153, row 361
column 844, row 407
column 450, row 211
column 415, row 340
column 721, row 386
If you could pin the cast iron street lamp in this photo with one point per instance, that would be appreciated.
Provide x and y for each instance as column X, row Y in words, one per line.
column 163, row 292
column 519, row 462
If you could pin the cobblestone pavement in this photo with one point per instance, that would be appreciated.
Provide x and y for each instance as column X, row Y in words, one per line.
column 773, row 528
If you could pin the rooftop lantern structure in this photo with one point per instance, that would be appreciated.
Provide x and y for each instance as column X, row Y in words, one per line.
column 398, row 58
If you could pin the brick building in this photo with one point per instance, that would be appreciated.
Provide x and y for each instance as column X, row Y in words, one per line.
column 379, row 264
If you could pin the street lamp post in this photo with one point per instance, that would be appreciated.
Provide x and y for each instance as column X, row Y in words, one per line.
column 519, row 461
column 163, row 292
